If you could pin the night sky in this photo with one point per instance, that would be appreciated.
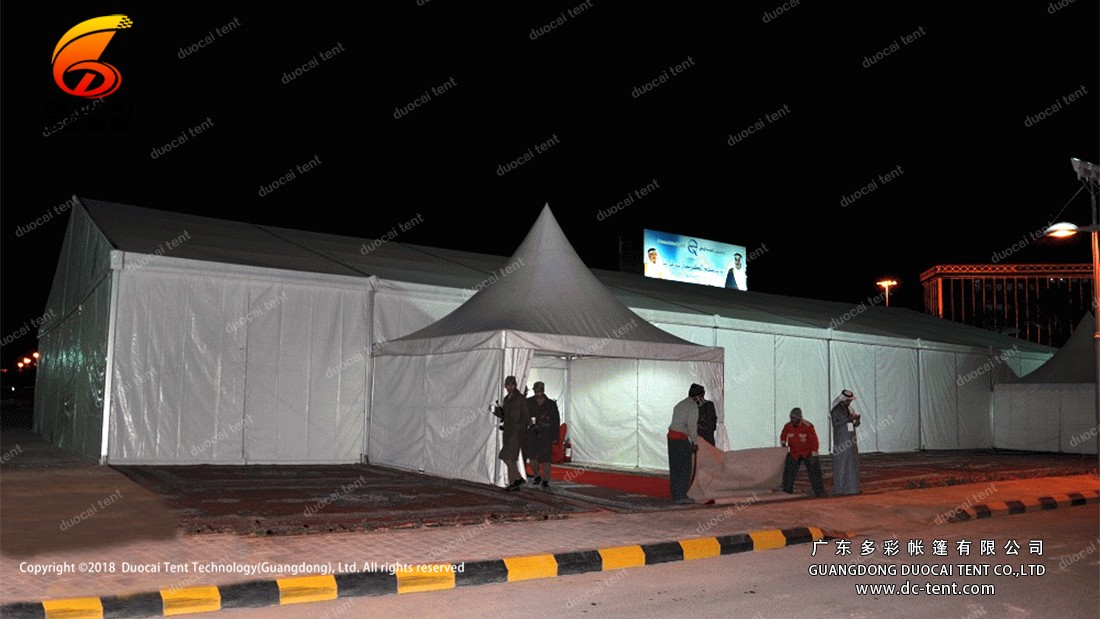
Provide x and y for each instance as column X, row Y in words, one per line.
column 765, row 124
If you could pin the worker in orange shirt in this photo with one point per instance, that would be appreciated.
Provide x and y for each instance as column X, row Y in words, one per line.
column 800, row 439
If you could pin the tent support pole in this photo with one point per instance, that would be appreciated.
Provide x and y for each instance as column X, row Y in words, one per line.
column 496, row 433
column 920, row 413
column 112, row 318
column 829, row 395
column 991, row 444
column 369, row 366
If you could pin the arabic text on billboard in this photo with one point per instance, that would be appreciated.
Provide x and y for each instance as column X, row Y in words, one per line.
column 694, row 260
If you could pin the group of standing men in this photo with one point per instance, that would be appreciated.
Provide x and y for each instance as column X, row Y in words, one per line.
column 695, row 417
column 530, row 426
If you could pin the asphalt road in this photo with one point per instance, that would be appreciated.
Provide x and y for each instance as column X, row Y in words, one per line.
column 779, row 583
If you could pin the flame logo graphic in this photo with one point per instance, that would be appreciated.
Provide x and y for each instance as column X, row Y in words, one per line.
column 78, row 52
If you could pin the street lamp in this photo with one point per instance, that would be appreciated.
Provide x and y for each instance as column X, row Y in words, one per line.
column 1089, row 174
column 886, row 283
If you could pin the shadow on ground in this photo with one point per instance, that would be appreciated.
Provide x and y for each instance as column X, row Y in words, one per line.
column 51, row 499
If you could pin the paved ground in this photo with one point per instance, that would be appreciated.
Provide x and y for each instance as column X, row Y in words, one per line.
column 60, row 512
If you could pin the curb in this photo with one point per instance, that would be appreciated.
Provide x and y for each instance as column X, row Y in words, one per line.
column 988, row 510
column 408, row 579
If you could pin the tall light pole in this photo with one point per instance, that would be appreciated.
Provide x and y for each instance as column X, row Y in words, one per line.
column 1089, row 174
column 886, row 283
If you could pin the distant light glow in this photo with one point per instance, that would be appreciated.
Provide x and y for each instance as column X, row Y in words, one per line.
column 886, row 284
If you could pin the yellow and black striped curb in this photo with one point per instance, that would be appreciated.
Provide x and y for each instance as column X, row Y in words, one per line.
column 994, row 508
column 300, row 589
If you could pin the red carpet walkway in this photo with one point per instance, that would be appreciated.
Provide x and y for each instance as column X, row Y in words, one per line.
column 631, row 483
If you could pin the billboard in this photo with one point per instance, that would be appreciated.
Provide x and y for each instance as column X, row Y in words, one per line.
column 693, row 260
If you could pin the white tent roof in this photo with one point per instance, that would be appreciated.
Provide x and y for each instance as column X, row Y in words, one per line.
column 545, row 298
column 219, row 243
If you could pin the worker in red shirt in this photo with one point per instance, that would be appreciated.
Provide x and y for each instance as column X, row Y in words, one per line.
column 800, row 439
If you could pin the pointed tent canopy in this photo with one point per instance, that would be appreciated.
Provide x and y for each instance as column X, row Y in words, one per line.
column 1075, row 362
column 545, row 298
column 1052, row 408
column 622, row 374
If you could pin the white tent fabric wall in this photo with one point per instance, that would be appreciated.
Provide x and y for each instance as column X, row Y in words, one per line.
column 431, row 414
column 1077, row 413
column 894, row 426
column 750, row 390
column 299, row 406
column 974, row 403
column 882, row 378
column 211, row 368
column 601, row 388
column 1046, row 417
column 179, row 375
column 71, row 375
column 715, row 386
column 802, row 380
column 72, row 341
column 400, row 386
column 621, row 408
column 955, row 409
column 400, row 308
column 1054, row 407
column 938, row 402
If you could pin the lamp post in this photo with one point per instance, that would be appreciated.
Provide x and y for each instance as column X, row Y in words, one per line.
column 886, row 283
column 1089, row 174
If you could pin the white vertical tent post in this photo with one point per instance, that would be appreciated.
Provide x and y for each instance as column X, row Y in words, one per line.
column 109, row 373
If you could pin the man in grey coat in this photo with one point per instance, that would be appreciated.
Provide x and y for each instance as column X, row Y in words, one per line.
column 513, row 412
column 845, row 420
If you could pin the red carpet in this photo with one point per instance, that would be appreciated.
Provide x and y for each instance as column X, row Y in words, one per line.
column 633, row 483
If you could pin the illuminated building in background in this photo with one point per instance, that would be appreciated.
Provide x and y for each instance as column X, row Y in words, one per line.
column 1040, row 303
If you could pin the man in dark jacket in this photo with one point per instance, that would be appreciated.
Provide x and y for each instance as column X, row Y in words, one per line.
column 708, row 421
column 542, row 433
column 513, row 412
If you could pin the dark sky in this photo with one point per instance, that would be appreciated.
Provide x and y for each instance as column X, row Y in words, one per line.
column 977, row 107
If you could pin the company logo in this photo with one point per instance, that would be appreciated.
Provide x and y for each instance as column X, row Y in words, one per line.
column 77, row 57
column 693, row 247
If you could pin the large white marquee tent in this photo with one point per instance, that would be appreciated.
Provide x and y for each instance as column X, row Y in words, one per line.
column 185, row 340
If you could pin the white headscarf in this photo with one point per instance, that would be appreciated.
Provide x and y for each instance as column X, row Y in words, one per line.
column 845, row 396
